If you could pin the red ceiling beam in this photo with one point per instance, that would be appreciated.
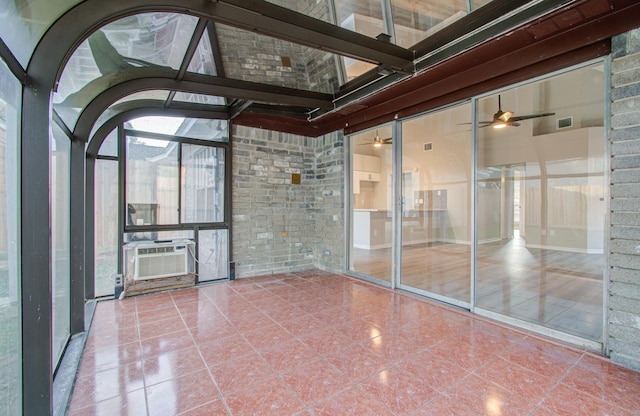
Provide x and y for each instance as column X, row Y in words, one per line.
column 502, row 58
column 573, row 34
column 581, row 55
column 278, row 123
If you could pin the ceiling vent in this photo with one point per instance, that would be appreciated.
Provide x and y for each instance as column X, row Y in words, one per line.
column 427, row 147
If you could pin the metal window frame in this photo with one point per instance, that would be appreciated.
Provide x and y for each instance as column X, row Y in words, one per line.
column 225, row 224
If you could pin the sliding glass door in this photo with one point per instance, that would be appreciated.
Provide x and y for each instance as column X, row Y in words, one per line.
column 541, row 210
column 436, row 205
column 372, row 204
column 505, row 217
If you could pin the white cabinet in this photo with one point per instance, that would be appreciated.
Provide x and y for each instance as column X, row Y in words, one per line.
column 368, row 176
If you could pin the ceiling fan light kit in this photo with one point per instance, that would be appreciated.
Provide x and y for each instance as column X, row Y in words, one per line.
column 378, row 141
column 502, row 119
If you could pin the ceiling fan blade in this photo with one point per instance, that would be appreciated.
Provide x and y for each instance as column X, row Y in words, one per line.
column 388, row 140
column 530, row 116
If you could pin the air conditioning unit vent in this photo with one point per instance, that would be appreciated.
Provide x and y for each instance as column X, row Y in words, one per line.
column 158, row 260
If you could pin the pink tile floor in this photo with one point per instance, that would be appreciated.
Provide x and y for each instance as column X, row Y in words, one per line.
column 314, row 343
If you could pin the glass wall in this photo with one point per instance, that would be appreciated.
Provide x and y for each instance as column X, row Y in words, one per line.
column 364, row 17
column 541, row 209
column 152, row 185
column 24, row 23
column 175, row 188
column 59, row 158
column 213, row 254
column 10, row 282
column 106, row 225
column 372, row 203
column 202, row 184
column 417, row 20
column 436, row 210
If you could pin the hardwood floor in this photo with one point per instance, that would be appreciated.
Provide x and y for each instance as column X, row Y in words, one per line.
column 556, row 289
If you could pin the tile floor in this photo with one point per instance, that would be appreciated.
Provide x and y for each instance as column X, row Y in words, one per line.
column 314, row 343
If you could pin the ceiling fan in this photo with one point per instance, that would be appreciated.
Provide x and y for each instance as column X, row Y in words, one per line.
column 502, row 119
column 378, row 141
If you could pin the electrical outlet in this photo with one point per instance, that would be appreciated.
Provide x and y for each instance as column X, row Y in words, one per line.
column 327, row 253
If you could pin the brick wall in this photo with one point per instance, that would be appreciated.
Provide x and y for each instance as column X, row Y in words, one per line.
column 280, row 226
column 329, row 202
column 253, row 57
column 624, row 289
column 271, row 215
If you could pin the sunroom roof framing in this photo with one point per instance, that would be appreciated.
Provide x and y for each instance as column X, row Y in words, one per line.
column 282, row 23
column 199, row 31
column 142, row 108
column 265, row 18
column 200, row 84
column 269, row 19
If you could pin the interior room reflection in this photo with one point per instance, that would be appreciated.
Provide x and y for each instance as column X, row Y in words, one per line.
column 539, row 210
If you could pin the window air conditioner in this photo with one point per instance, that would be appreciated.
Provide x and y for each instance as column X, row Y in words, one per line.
column 154, row 261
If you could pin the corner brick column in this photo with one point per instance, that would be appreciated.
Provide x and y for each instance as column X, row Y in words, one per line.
column 624, row 256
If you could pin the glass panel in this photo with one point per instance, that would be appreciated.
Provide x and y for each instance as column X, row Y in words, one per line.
column 372, row 204
column 318, row 9
column 198, row 98
column 436, row 215
column 10, row 281
column 193, row 128
column 202, row 61
column 476, row 4
column 541, row 204
column 115, row 108
column 59, row 158
column 110, row 145
column 415, row 21
column 202, row 193
column 204, row 129
column 24, row 22
column 116, row 52
column 152, row 185
column 277, row 62
column 361, row 16
column 213, row 255
column 364, row 17
column 106, row 226
column 156, row 124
